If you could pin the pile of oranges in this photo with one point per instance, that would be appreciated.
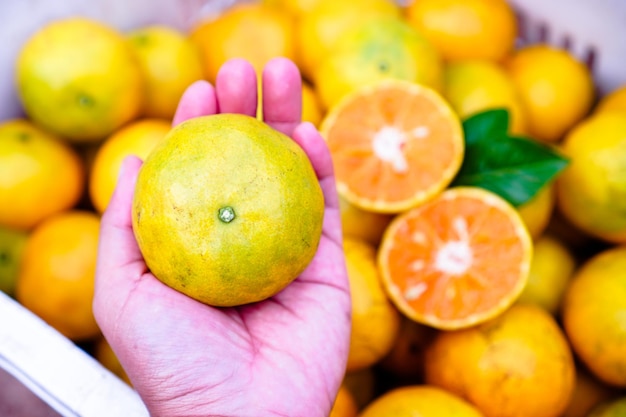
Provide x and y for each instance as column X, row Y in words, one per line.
column 463, row 303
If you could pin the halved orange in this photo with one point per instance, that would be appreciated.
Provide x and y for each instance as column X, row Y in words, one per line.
column 457, row 260
column 395, row 144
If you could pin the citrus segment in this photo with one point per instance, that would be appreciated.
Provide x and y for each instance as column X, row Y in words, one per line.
column 394, row 144
column 457, row 260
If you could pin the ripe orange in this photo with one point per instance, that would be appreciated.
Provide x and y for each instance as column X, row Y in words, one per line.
column 551, row 269
column 383, row 47
column 591, row 191
column 375, row 320
column 362, row 224
column 556, row 89
column 345, row 405
column 318, row 30
column 594, row 315
column 311, row 106
column 419, row 400
column 537, row 212
column 56, row 279
column 395, row 144
column 227, row 210
column 137, row 138
column 614, row 101
column 466, row 29
column 254, row 31
column 79, row 79
column 473, row 86
column 362, row 385
column 169, row 62
column 40, row 175
column 457, row 260
column 12, row 243
column 518, row 364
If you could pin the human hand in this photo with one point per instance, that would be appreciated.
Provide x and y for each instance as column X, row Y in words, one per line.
column 284, row 356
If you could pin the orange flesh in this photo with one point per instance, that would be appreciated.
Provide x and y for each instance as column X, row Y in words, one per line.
column 455, row 259
column 395, row 144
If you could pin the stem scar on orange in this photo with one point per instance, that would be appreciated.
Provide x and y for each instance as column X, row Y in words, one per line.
column 227, row 210
column 457, row 260
column 395, row 144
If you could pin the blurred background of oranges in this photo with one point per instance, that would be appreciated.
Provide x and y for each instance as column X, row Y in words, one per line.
column 92, row 93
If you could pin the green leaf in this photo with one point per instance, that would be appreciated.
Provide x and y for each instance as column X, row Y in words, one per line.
column 515, row 168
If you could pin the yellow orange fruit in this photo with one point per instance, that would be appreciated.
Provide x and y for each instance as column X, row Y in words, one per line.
column 556, row 89
column 380, row 48
column 362, row 385
column 311, row 106
column 40, row 175
column 137, row 138
column 591, row 191
column 395, row 145
column 318, row 30
column 419, row 400
column 518, row 364
column 362, row 224
column 457, row 260
column 537, row 212
column 466, row 29
column 170, row 62
column 594, row 315
column 79, row 79
column 344, row 405
column 221, row 231
column 56, row 279
column 12, row 243
column 614, row 101
column 551, row 269
column 375, row 320
column 473, row 86
column 254, row 31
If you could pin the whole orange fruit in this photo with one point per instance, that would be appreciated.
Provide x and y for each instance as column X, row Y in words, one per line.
column 466, row 29
column 517, row 364
column 137, row 138
column 594, row 315
column 40, row 175
column 375, row 320
column 56, row 279
column 227, row 210
column 556, row 89
column 169, row 62
column 79, row 79
column 419, row 400
column 254, row 31
column 12, row 243
column 591, row 191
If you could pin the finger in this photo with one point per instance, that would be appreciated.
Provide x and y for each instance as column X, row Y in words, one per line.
column 308, row 137
column 117, row 248
column 282, row 95
column 199, row 99
column 236, row 88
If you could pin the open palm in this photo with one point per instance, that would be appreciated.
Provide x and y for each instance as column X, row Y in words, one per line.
column 284, row 356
